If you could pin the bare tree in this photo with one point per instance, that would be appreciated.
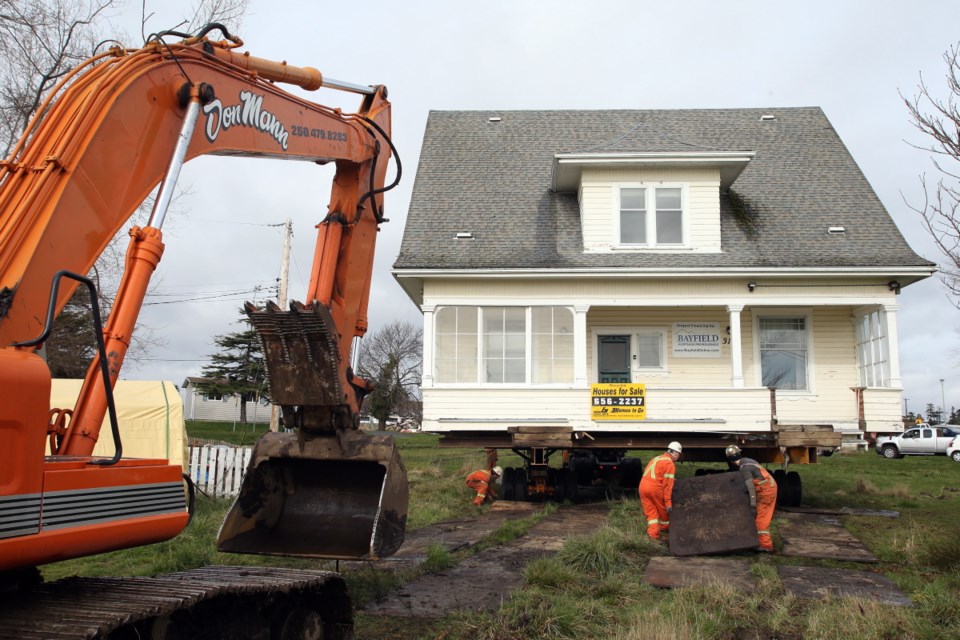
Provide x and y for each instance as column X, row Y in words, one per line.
column 938, row 118
column 40, row 42
column 392, row 358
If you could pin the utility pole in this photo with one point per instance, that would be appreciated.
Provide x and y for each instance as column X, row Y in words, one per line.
column 943, row 404
column 905, row 412
column 282, row 302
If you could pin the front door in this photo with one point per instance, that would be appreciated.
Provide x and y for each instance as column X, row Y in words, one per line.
column 613, row 358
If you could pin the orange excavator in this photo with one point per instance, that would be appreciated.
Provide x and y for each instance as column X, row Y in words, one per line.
column 122, row 124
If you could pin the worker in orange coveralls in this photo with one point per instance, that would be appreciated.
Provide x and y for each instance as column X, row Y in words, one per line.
column 480, row 482
column 763, row 493
column 656, row 490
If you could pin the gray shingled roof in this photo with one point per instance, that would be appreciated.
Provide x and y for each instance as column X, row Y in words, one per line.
column 493, row 179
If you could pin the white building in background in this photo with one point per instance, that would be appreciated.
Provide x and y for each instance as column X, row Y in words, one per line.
column 200, row 406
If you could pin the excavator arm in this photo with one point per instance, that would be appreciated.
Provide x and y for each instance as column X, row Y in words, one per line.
column 122, row 124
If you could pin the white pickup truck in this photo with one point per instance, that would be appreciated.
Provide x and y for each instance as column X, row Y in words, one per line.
column 922, row 440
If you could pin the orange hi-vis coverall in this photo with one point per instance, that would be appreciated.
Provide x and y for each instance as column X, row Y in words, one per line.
column 766, row 488
column 479, row 481
column 656, row 494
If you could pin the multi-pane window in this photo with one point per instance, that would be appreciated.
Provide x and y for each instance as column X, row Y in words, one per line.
column 651, row 216
column 552, row 345
column 504, row 345
column 873, row 350
column 456, row 344
column 783, row 352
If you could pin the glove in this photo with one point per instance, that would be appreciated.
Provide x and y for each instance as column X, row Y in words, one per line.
column 669, row 509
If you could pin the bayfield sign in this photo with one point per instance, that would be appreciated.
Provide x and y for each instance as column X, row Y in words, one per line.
column 696, row 339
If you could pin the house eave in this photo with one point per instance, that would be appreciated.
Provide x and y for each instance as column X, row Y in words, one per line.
column 568, row 167
column 411, row 280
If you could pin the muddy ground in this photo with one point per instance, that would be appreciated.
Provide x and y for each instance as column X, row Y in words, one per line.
column 483, row 581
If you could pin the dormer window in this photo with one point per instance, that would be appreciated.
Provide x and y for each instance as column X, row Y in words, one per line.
column 651, row 216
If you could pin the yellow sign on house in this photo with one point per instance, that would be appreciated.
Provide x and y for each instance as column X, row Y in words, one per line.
column 618, row 401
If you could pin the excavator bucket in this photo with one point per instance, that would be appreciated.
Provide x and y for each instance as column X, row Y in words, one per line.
column 316, row 491
column 340, row 496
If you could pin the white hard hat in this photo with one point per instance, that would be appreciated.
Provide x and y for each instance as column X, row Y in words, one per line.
column 675, row 446
column 497, row 471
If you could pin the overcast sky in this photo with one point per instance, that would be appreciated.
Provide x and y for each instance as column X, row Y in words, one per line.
column 851, row 58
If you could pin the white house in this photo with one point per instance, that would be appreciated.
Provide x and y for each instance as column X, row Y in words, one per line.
column 225, row 408
column 735, row 262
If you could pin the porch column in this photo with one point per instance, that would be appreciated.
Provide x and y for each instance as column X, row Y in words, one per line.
column 428, row 313
column 888, row 320
column 580, row 345
column 736, row 348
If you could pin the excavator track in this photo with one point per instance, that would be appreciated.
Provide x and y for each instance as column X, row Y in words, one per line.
column 211, row 602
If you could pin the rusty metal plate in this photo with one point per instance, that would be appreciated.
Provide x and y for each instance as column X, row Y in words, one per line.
column 815, row 583
column 673, row 573
column 820, row 536
column 711, row 514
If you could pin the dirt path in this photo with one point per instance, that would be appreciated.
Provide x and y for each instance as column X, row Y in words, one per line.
column 484, row 581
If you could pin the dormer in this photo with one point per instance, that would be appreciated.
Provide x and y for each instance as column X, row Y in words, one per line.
column 649, row 202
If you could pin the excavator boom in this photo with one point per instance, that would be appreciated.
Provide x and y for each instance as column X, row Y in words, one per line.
column 121, row 125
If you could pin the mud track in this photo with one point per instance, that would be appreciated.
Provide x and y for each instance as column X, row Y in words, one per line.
column 483, row 581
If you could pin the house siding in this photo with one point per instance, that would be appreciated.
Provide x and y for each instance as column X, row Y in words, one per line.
column 196, row 407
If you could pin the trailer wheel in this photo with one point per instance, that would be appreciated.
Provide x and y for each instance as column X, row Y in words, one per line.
column 569, row 480
column 794, row 489
column 780, row 477
column 508, row 477
column 633, row 472
column 520, row 491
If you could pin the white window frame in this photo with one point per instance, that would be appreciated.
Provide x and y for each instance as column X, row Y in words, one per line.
column 807, row 315
column 480, row 380
column 636, row 371
column 651, row 212
column 872, row 338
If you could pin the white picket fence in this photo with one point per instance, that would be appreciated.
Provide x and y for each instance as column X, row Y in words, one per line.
column 218, row 469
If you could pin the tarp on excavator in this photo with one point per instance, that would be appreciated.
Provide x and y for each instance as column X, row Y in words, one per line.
column 150, row 415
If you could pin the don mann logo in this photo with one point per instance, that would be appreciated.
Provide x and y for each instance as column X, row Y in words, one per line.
column 618, row 402
column 249, row 112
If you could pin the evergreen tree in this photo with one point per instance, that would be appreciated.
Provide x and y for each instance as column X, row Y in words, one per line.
column 237, row 369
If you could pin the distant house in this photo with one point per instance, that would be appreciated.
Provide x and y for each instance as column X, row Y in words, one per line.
column 712, row 255
column 222, row 408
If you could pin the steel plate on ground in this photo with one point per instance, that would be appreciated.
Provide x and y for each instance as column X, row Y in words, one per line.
column 673, row 573
column 820, row 536
column 814, row 583
column 711, row 514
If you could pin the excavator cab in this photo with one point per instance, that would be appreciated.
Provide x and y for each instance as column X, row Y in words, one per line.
column 324, row 489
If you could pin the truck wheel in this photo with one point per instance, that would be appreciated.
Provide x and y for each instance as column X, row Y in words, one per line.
column 508, row 476
column 890, row 452
column 956, row 456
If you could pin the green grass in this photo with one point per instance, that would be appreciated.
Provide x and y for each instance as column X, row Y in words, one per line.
column 228, row 432
column 593, row 587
